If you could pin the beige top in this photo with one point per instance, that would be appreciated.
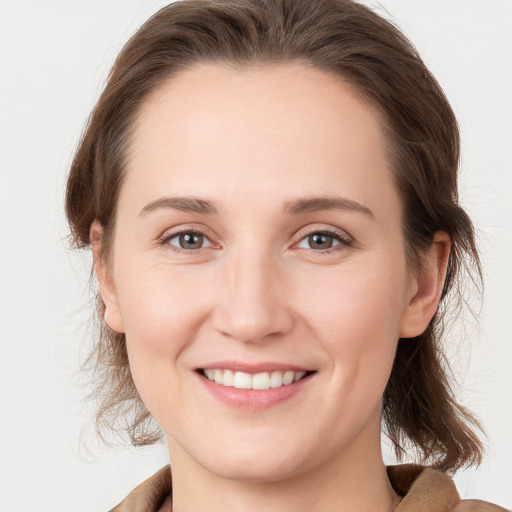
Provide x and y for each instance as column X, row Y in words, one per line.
column 423, row 489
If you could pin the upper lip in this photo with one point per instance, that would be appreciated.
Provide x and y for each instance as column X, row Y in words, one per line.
column 253, row 367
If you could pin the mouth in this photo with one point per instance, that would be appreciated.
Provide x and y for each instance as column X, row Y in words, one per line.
column 256, row 381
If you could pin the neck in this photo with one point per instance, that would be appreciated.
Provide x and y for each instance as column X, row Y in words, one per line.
column 353, row 479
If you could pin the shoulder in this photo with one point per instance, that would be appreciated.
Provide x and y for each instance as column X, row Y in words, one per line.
column 152, row 495
column 427, row 489
column 478, row 506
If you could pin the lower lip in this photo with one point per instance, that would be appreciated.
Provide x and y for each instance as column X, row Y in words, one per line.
column 253, row 399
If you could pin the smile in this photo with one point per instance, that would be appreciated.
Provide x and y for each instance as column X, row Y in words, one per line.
column 258, row 381
column 254, row 386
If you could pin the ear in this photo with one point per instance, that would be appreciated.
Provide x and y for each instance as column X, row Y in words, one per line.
column 425, row 290
column 112, row 312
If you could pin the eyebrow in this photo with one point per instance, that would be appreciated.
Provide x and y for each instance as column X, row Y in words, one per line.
column 184, row 204
column 297, row 207
column 314, row 204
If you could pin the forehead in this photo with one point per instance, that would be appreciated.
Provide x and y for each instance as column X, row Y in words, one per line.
column 283, row 124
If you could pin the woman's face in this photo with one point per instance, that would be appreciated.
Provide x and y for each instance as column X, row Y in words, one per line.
column 258, row 231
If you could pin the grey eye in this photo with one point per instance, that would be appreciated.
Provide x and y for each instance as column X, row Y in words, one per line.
column 189, row 240
column 319, row 240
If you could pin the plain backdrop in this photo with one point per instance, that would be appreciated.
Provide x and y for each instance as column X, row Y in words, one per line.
column 54, row 58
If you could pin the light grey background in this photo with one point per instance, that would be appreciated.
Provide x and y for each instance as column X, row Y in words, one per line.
column 54, row 57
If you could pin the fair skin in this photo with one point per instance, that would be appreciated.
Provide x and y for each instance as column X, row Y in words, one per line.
column 265, row 282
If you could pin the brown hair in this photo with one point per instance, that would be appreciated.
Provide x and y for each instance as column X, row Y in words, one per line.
column 366, row 52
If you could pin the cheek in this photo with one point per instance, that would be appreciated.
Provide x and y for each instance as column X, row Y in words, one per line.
column 162, row 311
column 356, row 315
column 159, row 305
column 356, row 301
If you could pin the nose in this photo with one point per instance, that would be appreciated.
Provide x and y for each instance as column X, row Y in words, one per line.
column 252, row 302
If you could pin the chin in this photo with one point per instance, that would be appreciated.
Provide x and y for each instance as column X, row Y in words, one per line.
column 258, row 470
column 253, row 461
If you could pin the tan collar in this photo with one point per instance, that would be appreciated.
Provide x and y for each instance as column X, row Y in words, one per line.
column 423, row 489
column 152, row 495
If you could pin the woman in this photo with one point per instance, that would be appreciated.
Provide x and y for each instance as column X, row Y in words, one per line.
column 269, row 191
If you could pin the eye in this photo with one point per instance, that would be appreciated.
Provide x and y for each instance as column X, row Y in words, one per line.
column 188, row 240
column 323, row 241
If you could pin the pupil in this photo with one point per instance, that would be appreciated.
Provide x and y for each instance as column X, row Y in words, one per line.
column 319, row 241
column 191, row 241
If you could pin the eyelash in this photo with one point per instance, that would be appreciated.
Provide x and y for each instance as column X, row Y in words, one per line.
column 342, row 238
column 339, row 236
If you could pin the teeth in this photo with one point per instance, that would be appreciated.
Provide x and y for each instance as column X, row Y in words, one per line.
column 261, row 381
column 276, row 379
column 242, row 380
column 228, row 379
column 298, row 376
column 288, row 378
